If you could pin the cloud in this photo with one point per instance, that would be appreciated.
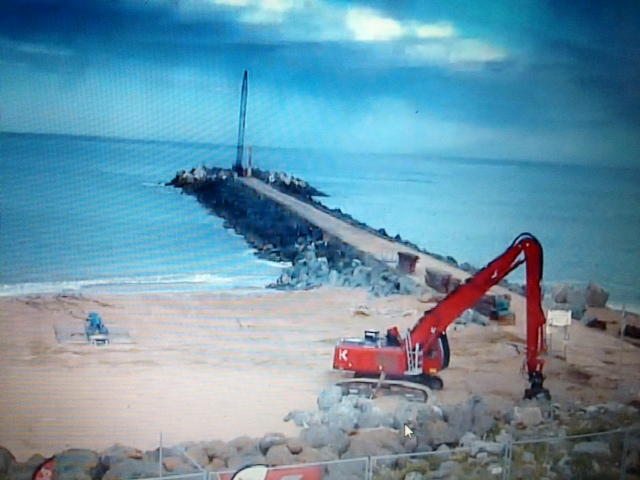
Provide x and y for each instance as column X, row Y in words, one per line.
column 419, row 43
column 434, row 30
column 457, row 51
column 261, row 11
column 367, row 26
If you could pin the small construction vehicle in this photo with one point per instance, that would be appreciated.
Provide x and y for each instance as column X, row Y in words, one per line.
column 96, row 330
column 409, row 363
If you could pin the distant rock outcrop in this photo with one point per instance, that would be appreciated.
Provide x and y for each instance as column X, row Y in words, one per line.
column 566, row 297
column 596, row 296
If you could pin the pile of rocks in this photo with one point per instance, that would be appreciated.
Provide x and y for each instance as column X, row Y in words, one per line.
column 338, row 264
column 276, row 233
column 280, row 235
column 199, row 175
column 467, row 440
column 288, row 184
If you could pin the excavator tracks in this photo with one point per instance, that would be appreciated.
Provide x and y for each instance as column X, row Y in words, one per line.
column 373, row 387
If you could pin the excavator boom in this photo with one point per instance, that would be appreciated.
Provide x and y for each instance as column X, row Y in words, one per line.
column 425, row 350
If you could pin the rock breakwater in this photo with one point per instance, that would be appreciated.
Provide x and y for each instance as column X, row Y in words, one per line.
column 279, row 234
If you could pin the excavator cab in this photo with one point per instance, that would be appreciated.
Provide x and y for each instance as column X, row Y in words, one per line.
column 391, row 360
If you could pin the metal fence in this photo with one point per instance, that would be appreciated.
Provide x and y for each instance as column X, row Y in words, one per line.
column 611, row 454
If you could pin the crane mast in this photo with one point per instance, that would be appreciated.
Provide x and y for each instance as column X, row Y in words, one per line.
column 237, row 166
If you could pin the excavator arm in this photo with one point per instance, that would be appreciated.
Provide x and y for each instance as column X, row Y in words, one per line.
column 524, row 249
column 424, row 351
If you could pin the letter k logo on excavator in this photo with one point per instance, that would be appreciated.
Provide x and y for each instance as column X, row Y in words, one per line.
column 343, row 355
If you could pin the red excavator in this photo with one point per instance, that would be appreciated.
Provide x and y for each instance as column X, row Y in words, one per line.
column 404, row 364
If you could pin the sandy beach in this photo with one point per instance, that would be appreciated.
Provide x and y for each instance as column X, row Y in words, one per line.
column 222, row 365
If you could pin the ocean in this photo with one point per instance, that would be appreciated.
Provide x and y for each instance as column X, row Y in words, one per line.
column 93, row 214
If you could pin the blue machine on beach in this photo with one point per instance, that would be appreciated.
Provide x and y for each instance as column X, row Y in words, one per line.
column 97, row 332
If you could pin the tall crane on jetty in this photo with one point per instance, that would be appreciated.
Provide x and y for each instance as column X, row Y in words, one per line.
column 237, row 166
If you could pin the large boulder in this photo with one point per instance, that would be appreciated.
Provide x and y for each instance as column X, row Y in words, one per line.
column 375, row 441
column 217, row 449
column 527, row 416
column 343, row 415
column 270, row 440
column 319, row 436
column 438, row 432
column 243, row 460
column 560, row 293
column 295, row 445
column 406, row 413
column 361, row 276
column 78, row 464
column 24, row 470
column 172, row 463
column 279, row 455
column 470, row 416
column 306, row 419
column 595, row 295
column 6, row 460
column 569, row 298
column 375, row 418
column 329, row 397
column 129, row 469
column 244, row 445
column 316, row 455
column 119, row 452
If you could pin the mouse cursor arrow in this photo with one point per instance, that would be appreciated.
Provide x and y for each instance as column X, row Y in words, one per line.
column 407, row 431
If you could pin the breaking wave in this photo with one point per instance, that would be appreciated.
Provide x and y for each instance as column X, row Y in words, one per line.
column 156, row 283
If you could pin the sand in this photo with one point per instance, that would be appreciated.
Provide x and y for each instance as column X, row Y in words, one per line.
column 222, row 365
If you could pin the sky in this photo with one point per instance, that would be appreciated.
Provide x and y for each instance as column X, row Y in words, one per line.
column 554, row 80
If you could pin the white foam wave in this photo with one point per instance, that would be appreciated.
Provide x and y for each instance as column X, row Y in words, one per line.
column 155, row 283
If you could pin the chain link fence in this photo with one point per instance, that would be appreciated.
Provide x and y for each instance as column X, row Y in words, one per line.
column 611, row 454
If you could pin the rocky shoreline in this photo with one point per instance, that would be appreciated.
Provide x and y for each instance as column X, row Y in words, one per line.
column 468, row 440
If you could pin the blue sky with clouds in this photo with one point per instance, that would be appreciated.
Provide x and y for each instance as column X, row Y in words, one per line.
column 554, row 80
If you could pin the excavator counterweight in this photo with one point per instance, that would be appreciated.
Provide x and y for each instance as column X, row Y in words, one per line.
column 424, row 351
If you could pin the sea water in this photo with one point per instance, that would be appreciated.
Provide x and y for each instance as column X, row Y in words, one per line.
column 93, row 213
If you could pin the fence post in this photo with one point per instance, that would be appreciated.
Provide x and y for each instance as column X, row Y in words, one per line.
column 191, row 459
column 508, row 452
column 623, row 460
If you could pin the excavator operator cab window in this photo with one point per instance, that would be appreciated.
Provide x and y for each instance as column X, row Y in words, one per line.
column 372, row 336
